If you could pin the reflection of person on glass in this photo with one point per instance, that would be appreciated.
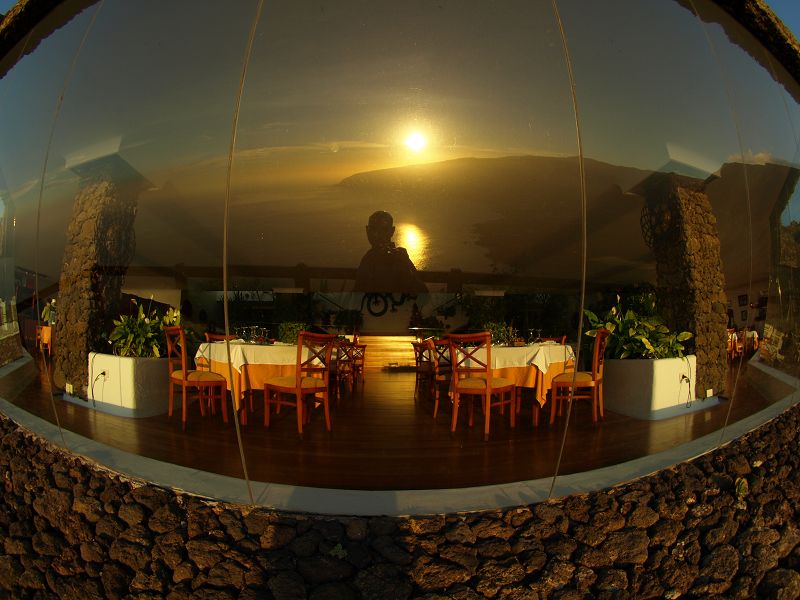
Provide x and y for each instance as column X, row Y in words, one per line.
column 386, row 267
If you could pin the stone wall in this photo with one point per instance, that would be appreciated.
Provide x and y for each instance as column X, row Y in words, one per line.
column 100, row 245
column 679, row 225
column 725, row 523
column 10, row 349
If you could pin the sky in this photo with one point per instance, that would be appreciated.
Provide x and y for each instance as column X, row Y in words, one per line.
column 331, row 94
column 788, row 11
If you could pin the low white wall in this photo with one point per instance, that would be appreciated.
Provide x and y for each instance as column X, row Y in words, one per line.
column 652, row 388
column 134, row 387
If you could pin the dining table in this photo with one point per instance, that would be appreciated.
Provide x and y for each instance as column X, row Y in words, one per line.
column 251, row 364
column 531, row 366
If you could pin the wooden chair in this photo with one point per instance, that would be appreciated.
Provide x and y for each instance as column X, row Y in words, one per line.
column 735, row 344
column 471, row 362
column 218, row 337
column 44, row 338
column 359, row 354
column 311, row 379
column 442, row 373
column 423, row 366
column 210, row 386
column 587, row 385
column 536, row 408
column 342, row 366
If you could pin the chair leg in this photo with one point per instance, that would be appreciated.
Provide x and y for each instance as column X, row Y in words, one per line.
column 183, row 407
column 454, row 416
column 554, row 400
column 326, row 407
column 594, row 404
column 512, row 407
column 536, row 411
column 171, row 397
column 487, row 415
column 300, row 414
column 223, row 401
column 267, row 396
column 600, row 399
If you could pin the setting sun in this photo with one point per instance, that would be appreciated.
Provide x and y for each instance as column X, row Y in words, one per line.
column 416, row 142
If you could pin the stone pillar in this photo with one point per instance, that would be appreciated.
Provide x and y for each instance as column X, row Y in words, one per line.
column 680, row 227
column 100, row 245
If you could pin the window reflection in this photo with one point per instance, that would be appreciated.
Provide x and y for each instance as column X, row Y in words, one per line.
column 456, row 121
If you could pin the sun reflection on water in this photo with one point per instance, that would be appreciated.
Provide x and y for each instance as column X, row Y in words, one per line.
column 415, row 241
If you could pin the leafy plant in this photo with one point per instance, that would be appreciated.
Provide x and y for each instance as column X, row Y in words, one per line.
column 501, row 333
column 635, row 335
column 289, row 330
column 142, row 334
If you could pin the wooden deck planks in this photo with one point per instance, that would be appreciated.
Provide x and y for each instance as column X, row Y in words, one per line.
column 382, row 438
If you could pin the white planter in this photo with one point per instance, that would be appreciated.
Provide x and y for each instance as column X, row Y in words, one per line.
column 127, row 386
column 652, row 388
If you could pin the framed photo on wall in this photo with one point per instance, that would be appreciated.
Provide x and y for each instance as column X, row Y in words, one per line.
column 742, row 299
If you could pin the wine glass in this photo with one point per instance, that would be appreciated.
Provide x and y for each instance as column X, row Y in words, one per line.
column 538, row 338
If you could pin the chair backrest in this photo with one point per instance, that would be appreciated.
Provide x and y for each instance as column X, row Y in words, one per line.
column 470, row 355
column 218, row 337
column 598, row 356
column 439, row 351
column 314, row 352
column 343, row 353
column 422, row 354
column 359, row 350
column 176, row 349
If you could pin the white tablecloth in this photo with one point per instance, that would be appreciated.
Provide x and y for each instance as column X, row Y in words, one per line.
column 243, row 353
column 538, row 355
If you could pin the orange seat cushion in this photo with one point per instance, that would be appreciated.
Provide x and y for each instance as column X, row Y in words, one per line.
column 198, row 376
column 583, row 377
column 290, row 381
column 480, row 384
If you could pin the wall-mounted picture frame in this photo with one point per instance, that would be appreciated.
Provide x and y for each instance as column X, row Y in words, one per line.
column 744, row 315
column 742, row 299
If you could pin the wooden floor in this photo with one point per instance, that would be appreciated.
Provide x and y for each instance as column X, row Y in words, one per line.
column 382, row 437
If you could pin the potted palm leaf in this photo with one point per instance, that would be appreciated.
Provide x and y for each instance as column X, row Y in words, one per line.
column 132, row 380
column 647, row 373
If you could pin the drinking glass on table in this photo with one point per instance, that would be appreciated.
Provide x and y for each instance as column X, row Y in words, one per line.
column 538, row 338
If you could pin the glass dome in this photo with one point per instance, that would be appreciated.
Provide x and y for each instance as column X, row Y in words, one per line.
column 389, row 174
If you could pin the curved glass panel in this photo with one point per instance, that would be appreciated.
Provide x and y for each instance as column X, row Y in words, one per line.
column 660, row 142
column 765, row 101
column 400, row 174
column 132, row 213
column 28, row 107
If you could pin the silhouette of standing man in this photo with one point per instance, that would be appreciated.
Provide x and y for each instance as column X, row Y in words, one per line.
column 385, row 267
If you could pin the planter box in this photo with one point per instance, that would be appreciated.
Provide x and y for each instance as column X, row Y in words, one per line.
column 131, row 387
column 652, row 388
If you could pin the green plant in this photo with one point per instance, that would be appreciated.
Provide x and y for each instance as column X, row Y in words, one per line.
column 634, row 335
column 142, row 334
column 501, row 333
column 289, row 330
